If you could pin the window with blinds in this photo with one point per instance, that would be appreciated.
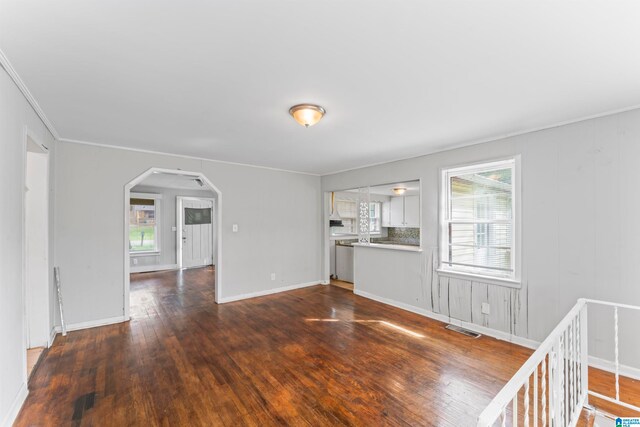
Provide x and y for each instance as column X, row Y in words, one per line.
column 478, row 226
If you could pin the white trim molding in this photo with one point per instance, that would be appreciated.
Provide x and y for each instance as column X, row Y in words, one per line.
column 498, row 137
column 606, row 365
column 151, row 268
column 16, row 405
column 8, row 67
column 52, row 336
column 93, row 324
column 269, row 291
column 504, row 336
column 183, row 156
column 515, row 284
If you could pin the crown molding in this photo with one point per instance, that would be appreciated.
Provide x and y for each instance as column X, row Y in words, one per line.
column 162, row 153
column 493, row 138
column 6, row 64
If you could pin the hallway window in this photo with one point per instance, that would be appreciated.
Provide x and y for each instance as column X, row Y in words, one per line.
column 479, row 220
column 143, row 224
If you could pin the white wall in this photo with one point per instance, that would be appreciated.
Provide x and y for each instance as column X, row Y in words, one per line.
column 15, row 114
column 278, row 215
column 167, row 255
column 581, row 233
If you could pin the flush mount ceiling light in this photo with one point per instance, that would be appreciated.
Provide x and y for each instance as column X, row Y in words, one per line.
column 307, row 114
column 399, row 190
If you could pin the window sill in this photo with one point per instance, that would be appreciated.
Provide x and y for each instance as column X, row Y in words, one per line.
column 146, row 253
column 509, row 283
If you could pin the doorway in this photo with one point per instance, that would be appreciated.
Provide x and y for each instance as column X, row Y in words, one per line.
column 37, row 289
column 155, row 226
column 195, row 235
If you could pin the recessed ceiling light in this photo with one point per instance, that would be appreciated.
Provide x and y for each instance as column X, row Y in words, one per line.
column 307, row 114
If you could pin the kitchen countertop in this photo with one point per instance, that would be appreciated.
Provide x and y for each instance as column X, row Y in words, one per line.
column 395, row 247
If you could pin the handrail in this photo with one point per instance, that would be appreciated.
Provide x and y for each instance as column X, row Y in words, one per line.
column 611, row 304
column 502, row 399
column 563, row 361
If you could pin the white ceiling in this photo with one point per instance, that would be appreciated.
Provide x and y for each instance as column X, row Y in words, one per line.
column 215, row 79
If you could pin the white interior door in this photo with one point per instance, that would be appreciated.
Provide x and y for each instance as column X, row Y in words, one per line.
column 197, row 232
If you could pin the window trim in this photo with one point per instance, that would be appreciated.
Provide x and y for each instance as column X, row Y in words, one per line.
column 513, row 280
column 157, row 199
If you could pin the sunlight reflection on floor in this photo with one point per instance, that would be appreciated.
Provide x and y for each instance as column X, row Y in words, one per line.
column 381, row 322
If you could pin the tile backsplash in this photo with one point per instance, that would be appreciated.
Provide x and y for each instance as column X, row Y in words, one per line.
column 410, row 236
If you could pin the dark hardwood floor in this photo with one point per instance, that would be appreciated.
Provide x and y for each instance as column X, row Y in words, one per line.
column 315, row 356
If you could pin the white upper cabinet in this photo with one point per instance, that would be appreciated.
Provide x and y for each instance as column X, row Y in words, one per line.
column 396, row 212
column 386, row 212
column 412, row 211
column 401, row 212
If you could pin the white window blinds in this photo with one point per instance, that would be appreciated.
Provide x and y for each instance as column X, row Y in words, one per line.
column 479, row 222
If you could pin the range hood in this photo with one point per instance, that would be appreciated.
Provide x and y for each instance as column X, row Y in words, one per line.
column 334, row 218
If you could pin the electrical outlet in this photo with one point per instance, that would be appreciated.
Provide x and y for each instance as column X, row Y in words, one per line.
column 235, row 228
column 135, row 261
column 273, row 276
column 486, row 309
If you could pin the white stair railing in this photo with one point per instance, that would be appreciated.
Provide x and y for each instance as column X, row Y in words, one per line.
column 553, row 384
column 616, row 361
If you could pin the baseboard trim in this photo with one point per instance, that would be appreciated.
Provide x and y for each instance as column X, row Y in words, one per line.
column 52, row 336
column 16, row 405
column 504, row 336
column 92, row 324
column 606, row 365
column 268, row 292
column 596, row 362
column 150, row 268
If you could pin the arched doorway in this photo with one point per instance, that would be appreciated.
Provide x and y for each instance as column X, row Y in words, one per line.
column 218, row 225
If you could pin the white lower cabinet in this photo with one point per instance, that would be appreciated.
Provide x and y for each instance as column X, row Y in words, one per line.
column 344, row 263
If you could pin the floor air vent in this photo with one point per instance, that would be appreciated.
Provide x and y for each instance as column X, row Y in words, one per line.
column 463, row 331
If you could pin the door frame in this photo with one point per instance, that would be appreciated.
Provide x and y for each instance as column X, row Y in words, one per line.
column 29, row 135
column 179, row 200
column 126, row 257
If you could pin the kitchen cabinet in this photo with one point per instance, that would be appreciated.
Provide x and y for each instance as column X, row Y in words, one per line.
column 344, row 263
column 401, row 212
column 396, row 212
column 386, row 212
column 412, row 211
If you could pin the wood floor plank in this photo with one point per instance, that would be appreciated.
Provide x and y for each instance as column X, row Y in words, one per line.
column 319, row 356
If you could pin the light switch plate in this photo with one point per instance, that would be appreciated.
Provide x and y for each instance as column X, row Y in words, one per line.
column 235, row 228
